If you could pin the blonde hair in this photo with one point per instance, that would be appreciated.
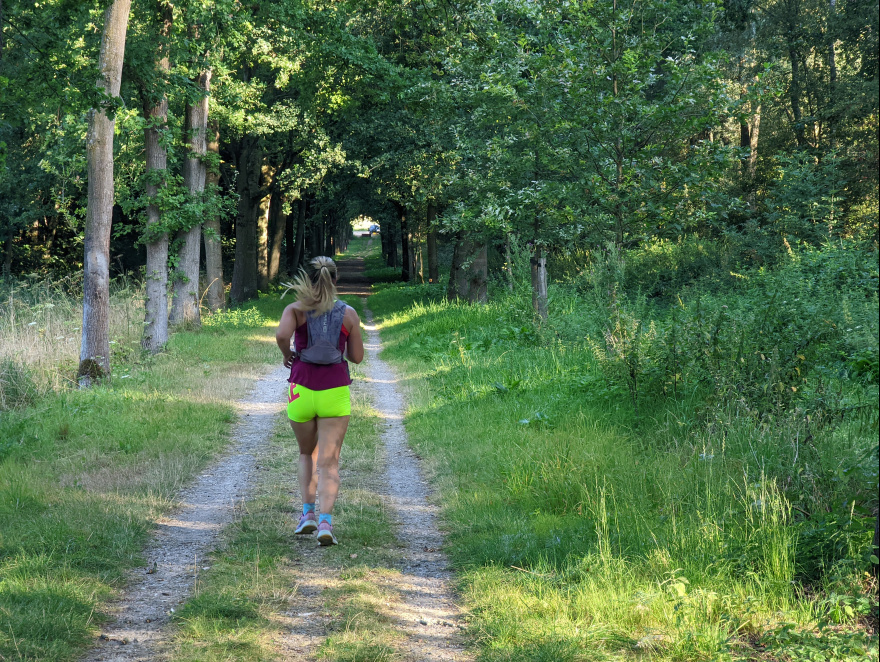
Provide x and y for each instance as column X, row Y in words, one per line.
column 315, row 291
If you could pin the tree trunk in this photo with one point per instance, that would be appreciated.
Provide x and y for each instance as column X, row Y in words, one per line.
column 156, row 280
column 7, row 251
column 420, row 258
column 469, row 274
column 753, row 142
column 213, row 252
column 329, row 228
column 185, row 302
column 539, row 283
column 433, row 266
column 478, row 275
column 406, row 268
column 247, row 184
column 832, row 71
column 393, row 231
column 795, row 95
column 385, row 241
column 94, row 358
column 277, row 224
column 290, row 237
column 263, row 243
column 300, row 243
column 457, row 287
column 875, row 548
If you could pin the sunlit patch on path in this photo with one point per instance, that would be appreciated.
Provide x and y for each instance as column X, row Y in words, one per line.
column 183, row 540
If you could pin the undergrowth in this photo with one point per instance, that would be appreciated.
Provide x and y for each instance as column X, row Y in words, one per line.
column 689, row 478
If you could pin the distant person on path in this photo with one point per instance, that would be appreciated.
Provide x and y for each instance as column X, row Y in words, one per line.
column 325, row 330
column 373, row 228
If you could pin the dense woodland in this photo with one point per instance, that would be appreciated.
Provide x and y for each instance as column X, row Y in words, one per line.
column 680, row 196
column 563, row 127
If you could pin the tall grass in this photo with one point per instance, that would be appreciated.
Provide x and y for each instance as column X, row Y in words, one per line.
column 695, row 528
column 85, row 472
column 41, row 330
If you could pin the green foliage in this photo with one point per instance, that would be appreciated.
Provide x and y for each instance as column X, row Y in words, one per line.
column 236, row 318
column 805, row 202
column 726, row 517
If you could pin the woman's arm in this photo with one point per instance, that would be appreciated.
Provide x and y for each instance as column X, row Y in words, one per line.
column 354, row 349
column 286, row 328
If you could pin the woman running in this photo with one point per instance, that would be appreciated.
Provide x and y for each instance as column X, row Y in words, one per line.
column 319, row 404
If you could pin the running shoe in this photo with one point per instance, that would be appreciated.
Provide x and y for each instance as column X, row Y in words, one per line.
column 308, row 523
column 325, row 535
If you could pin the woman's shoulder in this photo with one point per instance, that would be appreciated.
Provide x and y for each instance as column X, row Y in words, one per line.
column 351, row 317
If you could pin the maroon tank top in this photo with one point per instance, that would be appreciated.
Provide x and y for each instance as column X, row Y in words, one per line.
column 318, row 377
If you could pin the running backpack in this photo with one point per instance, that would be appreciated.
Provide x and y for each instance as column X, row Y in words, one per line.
column 324, row 330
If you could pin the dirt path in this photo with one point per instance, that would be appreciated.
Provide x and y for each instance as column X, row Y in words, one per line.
column 430, row 617
column 183, row 540
column 421, row 601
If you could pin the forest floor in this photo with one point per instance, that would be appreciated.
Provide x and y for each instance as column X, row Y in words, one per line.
column 384, row 593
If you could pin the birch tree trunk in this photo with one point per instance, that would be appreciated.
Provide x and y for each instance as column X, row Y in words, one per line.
column 185, row 303
column 539, row 283
column 213, row 254
column 156, row 280
column 94, row 356
column 433, row 267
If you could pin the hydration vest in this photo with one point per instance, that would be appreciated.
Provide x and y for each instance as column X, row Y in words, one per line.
column 323, row 332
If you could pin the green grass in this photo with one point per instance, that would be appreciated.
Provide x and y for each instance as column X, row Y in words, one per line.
column 84, row 473
column 584, row 532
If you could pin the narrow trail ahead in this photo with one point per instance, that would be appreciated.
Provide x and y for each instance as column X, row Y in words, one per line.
column 183, row 540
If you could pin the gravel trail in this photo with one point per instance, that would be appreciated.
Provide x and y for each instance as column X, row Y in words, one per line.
column 429, row 616
column 182, row 540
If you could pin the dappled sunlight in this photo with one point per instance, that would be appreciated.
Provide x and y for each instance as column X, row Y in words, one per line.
column 380, row 381
column 262, row 338
column 166, row 524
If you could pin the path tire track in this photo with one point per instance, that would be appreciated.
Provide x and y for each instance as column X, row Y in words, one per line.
column 184, row 539
column 431, row 619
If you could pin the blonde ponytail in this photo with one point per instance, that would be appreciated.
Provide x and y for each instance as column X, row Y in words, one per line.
column 315, row 291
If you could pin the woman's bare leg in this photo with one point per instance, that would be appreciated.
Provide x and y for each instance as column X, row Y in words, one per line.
column 331, row 432
column 307, row 437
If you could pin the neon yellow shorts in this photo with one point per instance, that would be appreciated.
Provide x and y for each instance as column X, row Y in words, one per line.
column 304, row 404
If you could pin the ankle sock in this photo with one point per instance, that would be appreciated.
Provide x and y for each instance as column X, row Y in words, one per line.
column 325, row 517
column 308, row 508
